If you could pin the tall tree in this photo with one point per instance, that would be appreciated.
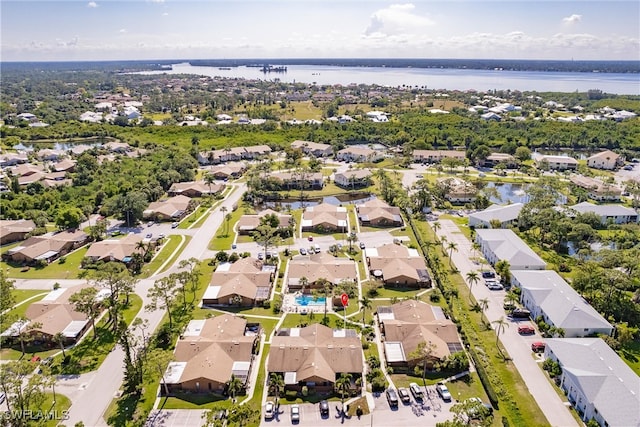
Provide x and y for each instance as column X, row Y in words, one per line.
column 365, row 304
column 423, row 355
column 276, row 385
column 500, row 325
column 163, row 294
column 343, row 386
column 192, row 266
column 84, row 301
column 234, row 386
column 59, row 338
column 115, row 277
column 224, row 210
column 473, row 278
column 7, row 297
column 451, row 246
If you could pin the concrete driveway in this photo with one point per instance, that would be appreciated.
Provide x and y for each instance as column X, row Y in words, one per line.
column 175, row 418
column 518, row 347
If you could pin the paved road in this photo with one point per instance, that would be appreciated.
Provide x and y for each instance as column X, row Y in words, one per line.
column 517, row 346
column 92, row 393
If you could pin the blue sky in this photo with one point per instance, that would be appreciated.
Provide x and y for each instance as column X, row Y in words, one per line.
column 177, row 29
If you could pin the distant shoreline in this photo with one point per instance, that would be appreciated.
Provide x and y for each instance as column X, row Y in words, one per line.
column 472, row 64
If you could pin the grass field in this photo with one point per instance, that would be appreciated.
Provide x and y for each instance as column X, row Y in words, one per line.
column 67, row 269
column 194, row 217
column 165, row 253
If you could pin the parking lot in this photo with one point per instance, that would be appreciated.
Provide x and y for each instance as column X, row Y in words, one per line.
column 431, row 410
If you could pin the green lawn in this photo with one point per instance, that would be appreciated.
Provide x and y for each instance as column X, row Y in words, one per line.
column 166, row 252
column 224, row 238
column 194, row 217
column 20, row 310
column 194, row 401
column 630, row 353
column 21, row 295
column 67, row 269
column 295, row 320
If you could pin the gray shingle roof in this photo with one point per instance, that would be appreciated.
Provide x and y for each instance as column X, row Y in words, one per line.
column 506, row 245
column 610, row 385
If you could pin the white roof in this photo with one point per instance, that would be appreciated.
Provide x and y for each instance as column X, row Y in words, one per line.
column 371, row 252
column 564, row 307
column 506, row 245
column 15, row 328
column 54, row 295
column 394, row 351
column 241, row 369
column 74, row 328
column 606, row 381
column 290, row 378
column 211, row 292
column 194, row 328
column 604, row 210
column 501, row 213
column 174, row 372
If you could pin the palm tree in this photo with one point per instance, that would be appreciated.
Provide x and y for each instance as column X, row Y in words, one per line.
column 234, row 385
column 452, row 246
column 436, row 227
column 224, row 211
column 323, row 283
column 500, row 326
column 209, row 179
column 484, row 304
column 276, row 383
column 343, row 386
column 59, row 338
column 473, row 278
column 365, row 302
column 227, row 220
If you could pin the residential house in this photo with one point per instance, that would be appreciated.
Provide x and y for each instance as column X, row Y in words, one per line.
column 13, row 230
column 502, row 244
column 353, row 178
column 325, row 218
column 248, row 223
column 172, row 209
column 233, row 154
column 597, row 382
column 49, row 155
column 435, row 156
column 494, row 159
column 52, row 315
column 457, row 191
column 246, row 282
column 47, row 247
column 615, row 214
column 117, row 147
column 66, row 165
column 549, row 162
column 228, row 170
column 12, row 159
column 358, row 155
column 319, row 266
column 208, row 353
column 408, row 324
column 315, row 356
column 295, row 180
column 378, row 213
column 314, row 149
column 398, row 265
column 546, row 294
column 121, row 250
column 195, row 189
column 605, row 160
column 597, row 190
column 505, row 215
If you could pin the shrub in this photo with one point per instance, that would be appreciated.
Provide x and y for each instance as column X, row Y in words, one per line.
column 434, row 296
column 564, row 267
column 234, row 257
column 305, row 390
column 62, row 260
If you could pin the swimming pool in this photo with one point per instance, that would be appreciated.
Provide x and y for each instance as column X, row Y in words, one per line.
column 306, row 300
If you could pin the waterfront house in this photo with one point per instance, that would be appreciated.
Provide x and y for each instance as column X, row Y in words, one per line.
column 597, row 190
column 502, row 244
column 248, row 223
column 378, row 213
column 353, row 178
column 358, row 154
column 607, row 160
column 435, row 156
column 550, row 162
column 325, row 218
column 616, row 214
column 314, row 149
column 505, row 215
column 295, row 180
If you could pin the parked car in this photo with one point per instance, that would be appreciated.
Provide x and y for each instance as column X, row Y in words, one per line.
column 509, row 305
column 174, row 225
column 526, row 330
column 324, row 408
column 538, row 347
column 416, row 391
column 495, row 286
column 303, row 251
column 474, row 411
column 520, row 313
column 149, row 235
column 269, row 410
column 486, row 274
column 362, row 245
column 311, row 238
column 295, row 414
column 260, row 256
column 392, row 397
column 443, row 391
column 234, row 246
column 404, row 395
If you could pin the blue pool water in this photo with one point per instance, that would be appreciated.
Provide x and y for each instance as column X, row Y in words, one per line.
column 305, row 300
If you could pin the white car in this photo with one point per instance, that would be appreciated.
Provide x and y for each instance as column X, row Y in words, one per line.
column 416, row 391
column 495, row 286
column 269, row 410
column 443, row 391
column 295, row 413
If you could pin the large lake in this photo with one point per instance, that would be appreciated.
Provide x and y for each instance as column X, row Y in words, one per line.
column 430, row 78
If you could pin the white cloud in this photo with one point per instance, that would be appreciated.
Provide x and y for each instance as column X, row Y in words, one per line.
column 396, row 19
column 165, row 14
column 572, row 19
column 122, row 30
column 155, row 1
column 92, row 4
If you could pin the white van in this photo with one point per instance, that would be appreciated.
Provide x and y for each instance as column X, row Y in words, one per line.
column 316, row 248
